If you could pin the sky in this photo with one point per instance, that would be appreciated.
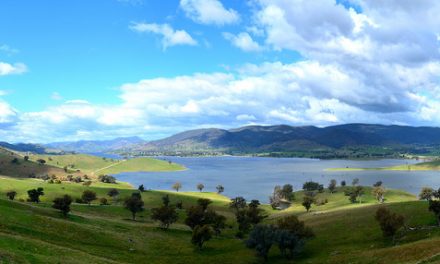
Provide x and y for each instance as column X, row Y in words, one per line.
column 87, row 70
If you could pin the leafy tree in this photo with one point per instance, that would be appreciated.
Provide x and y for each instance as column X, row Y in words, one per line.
column 434, row 206
column 389, row 222
column 200, row 187
column 34, row 194
column 134, row 204
column 107, row 179
column 426, row 193
column 88, row 196
column 311, row 186
column 308, row 200
column 261, row 238
column 166, row 214
column 359, row 192
column 63, row 204
column 287, row 192
column 220, row 188
column 201, row 215
column 292, row 235
column 355, row 181
column 15, row 161
column 354, row 193
column 200, row 235
column 343, row 183
column 11, row 195
column 41, row 161
column 26, row 158
column 113, row 193
column 377, row 184
column 332, row 186
column 379, row 193
column 238, row 203
column 141, row 188
column 177, row 186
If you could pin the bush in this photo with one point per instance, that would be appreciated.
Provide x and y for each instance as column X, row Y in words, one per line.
column 103, row 201
column 88, row 196
column 389, row 222
column 107, row 179
column 62, row 204
column 200, row 235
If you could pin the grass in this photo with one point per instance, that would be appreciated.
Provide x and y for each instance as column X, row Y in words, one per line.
column 94, row 165
column 345, row 232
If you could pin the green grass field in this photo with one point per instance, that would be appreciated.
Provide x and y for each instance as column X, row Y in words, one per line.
column 345, row 233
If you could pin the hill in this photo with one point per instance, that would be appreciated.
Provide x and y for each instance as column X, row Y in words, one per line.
column 36, row 233
column 89, row 146
column 342, row 141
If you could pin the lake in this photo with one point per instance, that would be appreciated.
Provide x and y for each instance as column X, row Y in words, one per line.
column 255, row 178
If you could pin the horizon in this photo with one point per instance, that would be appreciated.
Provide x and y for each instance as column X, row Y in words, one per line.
column 83, row 70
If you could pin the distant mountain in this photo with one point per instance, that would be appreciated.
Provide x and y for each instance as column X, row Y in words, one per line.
column 23, row 147
column 96, row 145
column 349, row 140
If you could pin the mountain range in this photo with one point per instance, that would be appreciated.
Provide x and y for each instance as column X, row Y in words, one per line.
column 341, row 141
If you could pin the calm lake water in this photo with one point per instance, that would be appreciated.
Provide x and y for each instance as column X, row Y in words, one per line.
column 255, row 178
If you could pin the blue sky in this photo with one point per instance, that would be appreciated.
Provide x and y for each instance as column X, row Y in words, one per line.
column 82, row 69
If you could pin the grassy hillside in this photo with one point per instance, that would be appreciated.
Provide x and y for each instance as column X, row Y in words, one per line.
column 95, row 166
column 23, row 169
column 141, row 164
column 345, row 233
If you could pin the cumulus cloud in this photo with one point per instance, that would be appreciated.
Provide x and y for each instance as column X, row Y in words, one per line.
column 209, row 12
column 243, row 41
column 9, row 69
column 170, row 36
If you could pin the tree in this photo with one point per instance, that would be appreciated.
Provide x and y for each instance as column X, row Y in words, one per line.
column 276, row 197
column 11, row 195
column 26, row 158
column 15, row 161
column 434, row 206
column 200, row 187
column 88, row 196
column 177, row 186
column 308, row 200
column 200, row 235
column 355, row 181
column 238, row 203
column 107, row 179
column 141, row 188
column 166, row 214
column 261, row 238
column 34, row 194
column 311, row 186
column 332, row 186
column 389, row 222
column 354, row 193
column 287, row 192
column 379, row 193
column 62, row 204
column 220, row 188
column 292, row 235
column 113, row 193
column 359, row 192
column 377, row 184
column 134, row 204
column 426, row 193
column 201, row 215
column 41, row 161
column 343, row 183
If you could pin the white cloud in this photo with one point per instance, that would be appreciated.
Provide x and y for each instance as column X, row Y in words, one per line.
column 8, row 69
column 8, row 50
column 170, row 37
column 243, row 41
column 209, row 12
column 56, row 96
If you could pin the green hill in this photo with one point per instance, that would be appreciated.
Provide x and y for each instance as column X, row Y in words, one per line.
column 35, row 233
